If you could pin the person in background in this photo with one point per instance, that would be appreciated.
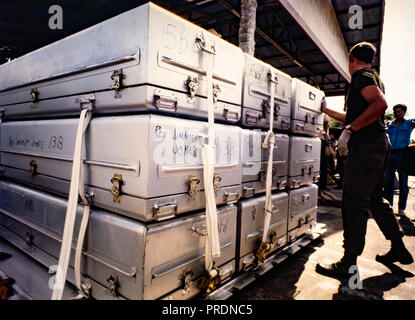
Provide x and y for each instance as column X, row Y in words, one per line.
column 324, row 156
column 366, row 146
column 399, row 131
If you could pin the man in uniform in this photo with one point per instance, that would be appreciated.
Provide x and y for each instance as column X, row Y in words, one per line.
column 367, row 147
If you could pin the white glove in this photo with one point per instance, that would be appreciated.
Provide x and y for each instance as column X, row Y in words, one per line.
column 343, row 140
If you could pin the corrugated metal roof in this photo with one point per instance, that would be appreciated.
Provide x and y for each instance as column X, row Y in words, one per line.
column 25, row 28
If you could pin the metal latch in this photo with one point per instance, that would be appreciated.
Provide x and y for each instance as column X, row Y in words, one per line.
column 117, row 77
column 265, row 247
column 113, row 286
column 201, row 43
column 186, row 277
column 164, row 211
column 116, row 187
column 87, row 102
column 209, row 281
column 32, row 167
column 193, row 181
column 216, row 91
column 308, row 147
column 192, row 84
column 216, row 183
column 34, row 95
column 306, row 197
column 307, row 117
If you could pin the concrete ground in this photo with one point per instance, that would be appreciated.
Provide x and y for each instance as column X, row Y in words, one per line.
column 296, row 278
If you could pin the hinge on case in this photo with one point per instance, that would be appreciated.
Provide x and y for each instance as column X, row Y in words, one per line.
column 216, row 183
column 193, row 181
column 113, row 285
column 29, row 239
column 192, row 84
column 163, row 212
column 32, row 168
column 86, row 288
column 186, row 277
column 34, row 95
column 116, row 187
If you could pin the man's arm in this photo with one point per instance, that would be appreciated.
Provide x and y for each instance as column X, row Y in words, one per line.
column 339, row 116
column 377, row 106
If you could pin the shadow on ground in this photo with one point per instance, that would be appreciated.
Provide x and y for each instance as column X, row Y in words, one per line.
column 373, row 288
column 280, row 282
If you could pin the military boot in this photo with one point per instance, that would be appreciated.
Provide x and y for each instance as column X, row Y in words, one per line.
column 340, row 269
column 397, row 253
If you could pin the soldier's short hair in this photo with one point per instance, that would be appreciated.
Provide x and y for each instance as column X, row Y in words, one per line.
column 363, row 51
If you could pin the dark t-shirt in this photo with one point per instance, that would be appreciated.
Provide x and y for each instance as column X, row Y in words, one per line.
column 356, row 104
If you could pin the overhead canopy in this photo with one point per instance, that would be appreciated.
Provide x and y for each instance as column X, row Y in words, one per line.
column 305, row 39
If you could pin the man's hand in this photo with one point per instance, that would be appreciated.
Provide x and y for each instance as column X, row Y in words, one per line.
column 323, row 105
column 343, row 140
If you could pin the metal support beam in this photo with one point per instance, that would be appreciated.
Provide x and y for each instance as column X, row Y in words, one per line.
column 324, row 31
column 296, row 60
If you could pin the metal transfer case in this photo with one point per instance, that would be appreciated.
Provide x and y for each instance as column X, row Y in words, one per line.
column 255, row 162
column 306, row 115
column 302, row 210
column 148, row 167
column 304, row 161
column 131, row 259
column 146, row 59
column 256, row 95
column 251, row 227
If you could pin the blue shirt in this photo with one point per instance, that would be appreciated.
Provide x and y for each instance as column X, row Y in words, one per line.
column 400, row 136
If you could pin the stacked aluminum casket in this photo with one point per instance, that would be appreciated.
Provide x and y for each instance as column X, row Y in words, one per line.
column 144, row 75
column 296, row 161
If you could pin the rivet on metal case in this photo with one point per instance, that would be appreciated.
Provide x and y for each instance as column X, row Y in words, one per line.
column 192, row 182
column 116, row 187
